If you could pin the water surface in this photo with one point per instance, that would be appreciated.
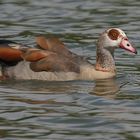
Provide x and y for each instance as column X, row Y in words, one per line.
column 74, row 110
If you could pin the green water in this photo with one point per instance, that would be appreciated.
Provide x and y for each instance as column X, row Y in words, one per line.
column 75, row 110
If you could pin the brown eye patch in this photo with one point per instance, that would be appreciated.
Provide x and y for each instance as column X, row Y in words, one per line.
column 113, row 34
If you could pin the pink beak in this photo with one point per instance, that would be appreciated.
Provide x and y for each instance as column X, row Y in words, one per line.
column 125, row 44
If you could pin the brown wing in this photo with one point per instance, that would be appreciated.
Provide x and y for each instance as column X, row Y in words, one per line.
column 52, row 56
column 43, row 60
column 32, row 54
column 55, row 63
column 53, row 44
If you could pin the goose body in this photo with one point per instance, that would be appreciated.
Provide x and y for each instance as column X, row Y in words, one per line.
column 52, row 61
column 87, row 72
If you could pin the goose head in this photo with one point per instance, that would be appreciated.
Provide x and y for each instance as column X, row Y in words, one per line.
column 115, row 38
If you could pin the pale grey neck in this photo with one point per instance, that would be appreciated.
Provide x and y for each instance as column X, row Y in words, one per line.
column 105, row 58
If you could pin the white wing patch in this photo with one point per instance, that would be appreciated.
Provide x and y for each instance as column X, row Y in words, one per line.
column 14, row 46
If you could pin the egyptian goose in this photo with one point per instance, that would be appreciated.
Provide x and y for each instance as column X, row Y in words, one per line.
column 51, row 60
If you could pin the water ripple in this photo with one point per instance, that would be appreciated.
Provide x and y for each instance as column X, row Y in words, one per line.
column 85, row 110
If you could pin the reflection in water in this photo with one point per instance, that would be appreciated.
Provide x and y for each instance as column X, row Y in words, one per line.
column 106, row 87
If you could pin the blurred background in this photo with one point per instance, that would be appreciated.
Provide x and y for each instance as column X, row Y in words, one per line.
column 84, row 110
